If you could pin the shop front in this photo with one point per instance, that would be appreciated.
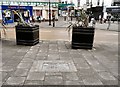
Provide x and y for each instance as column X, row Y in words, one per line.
column 96, row 12
column 43, row 12
column 9, row 17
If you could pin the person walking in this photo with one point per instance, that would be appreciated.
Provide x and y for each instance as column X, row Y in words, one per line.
column 39, row 19
column 64, row 16
column 33, row 19
column 53, row 17
column 109, row 21
column 93, row 21
column 3, row 28
column 4, row 20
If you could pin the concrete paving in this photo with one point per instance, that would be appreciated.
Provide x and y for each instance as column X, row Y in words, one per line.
column 113, row 26
column 53, row 62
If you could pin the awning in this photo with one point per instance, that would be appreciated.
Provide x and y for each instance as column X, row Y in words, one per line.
column 65, row 5
column 113, row 9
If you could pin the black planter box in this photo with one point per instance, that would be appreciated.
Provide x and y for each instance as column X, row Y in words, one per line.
column 27, row 35
column 82, row 38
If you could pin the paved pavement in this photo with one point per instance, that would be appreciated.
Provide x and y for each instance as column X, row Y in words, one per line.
column 53, row 62
column 113, row 26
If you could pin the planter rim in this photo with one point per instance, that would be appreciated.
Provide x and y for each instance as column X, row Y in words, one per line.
column 27, row 26
column 82, row 27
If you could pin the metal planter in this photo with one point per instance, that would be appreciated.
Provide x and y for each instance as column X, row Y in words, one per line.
column 82, row 38
column 26, row 35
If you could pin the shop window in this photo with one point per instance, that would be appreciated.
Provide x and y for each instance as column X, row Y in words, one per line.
column 7, row 14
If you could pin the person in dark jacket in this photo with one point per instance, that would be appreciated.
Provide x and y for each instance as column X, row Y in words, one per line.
column 39, row 18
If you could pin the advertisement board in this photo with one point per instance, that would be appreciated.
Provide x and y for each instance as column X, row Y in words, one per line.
column 9, row 16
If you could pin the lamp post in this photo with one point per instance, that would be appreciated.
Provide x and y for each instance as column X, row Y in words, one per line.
column 49, row 14
column 90, row 11
column 91, row 4
column 102, row 11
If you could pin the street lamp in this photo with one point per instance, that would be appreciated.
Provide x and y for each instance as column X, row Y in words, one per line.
column 49, row 14
column 91, row 12
column 91, row 4
column 102, row 11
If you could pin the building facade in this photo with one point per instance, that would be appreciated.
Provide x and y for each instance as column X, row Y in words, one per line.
column 116, row 3
column 97, row 7
column 40, row 7
column 64, row 6
column 114, row 10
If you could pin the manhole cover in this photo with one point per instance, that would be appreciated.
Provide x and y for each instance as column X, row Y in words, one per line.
column 53, row 66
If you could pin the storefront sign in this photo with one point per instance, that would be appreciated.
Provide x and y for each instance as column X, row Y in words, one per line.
column 18, row 7
column 113, row 10
column 7, row 11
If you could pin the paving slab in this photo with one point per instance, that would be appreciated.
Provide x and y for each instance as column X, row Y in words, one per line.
column 55, row 63
column 21, row 72
column 107, row 76
column 53, row 74
column 70, row 76
column 36, row 76
column 92, row 81
column 75, row 82
column 53, row 80
column 15, row 81
column 32, row 82
column 24, row 65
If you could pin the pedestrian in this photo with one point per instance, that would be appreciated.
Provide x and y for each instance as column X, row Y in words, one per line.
column 64, row 16
column 100, row 19
column 109, row 21
column 90, row 17
column 68, row 16
column 112, row 18
column 26, row 16
column 71, row 15
column 93, row 21
column 33, row 19
column 104, row 20
column 77, row 16
column 53, row 17
column 39, row 19
column 4, row 29
column 30, row 19
column 4, row 21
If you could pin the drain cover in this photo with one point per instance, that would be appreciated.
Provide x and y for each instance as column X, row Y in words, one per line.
column 53, row 66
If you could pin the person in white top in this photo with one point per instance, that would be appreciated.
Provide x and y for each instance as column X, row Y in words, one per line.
column 92, row 22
